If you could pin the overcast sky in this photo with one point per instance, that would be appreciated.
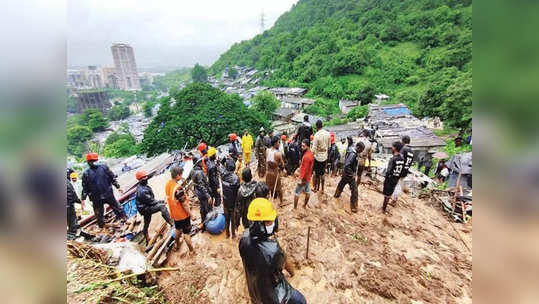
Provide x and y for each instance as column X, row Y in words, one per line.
column 164, row 32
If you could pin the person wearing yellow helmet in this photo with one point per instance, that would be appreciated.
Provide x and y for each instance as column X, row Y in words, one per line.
column 264, row 259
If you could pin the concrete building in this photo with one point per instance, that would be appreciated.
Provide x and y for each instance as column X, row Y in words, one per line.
column 94, row 98
column 126, row 67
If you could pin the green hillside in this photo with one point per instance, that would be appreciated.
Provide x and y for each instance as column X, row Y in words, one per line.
column 417, row 51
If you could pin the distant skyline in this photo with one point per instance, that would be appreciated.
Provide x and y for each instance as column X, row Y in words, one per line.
column 164, row 33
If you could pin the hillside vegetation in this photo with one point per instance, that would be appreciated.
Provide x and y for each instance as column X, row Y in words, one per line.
column 417, row 51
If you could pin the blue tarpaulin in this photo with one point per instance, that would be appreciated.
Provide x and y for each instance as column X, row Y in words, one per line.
column 130, row 207
column 397, row 111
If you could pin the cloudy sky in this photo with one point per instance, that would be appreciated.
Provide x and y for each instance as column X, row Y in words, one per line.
column 164, row 33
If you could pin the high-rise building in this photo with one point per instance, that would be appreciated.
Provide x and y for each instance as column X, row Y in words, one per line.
column 126, row 67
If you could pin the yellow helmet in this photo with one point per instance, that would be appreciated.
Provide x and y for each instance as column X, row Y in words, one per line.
column 261, row 209
column 212, row 151
column 73, row 175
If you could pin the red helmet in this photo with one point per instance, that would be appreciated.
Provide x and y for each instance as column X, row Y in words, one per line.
column 232, row 136
column 283, row 137
column 91, row 156
column 201, row 147
column 141, row 174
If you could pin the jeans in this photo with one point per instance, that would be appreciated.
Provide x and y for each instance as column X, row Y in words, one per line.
column 296, row 298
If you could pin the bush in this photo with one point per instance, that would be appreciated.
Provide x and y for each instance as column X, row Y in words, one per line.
column 119, row 112
column 199, row 74
column 77, row 136
column 265, row 103
column 358, row 112
column 120, row 145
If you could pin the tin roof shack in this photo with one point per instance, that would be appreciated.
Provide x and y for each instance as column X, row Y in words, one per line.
column 394, row 121
column 298, row 118
column 349, row 129
column 288, row 92
column 284, row 114
column 347, row 105
column 421, row 139
column 297, row 103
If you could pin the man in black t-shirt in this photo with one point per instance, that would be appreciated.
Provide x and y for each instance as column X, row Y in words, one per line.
column 408, row 157
column 393, row 173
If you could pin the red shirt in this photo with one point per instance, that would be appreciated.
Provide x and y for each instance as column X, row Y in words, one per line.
column 306, row 169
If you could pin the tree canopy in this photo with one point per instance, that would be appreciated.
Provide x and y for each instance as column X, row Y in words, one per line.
column 347, row 49
column 265, row 103
column 199, row 74
column 199, row 112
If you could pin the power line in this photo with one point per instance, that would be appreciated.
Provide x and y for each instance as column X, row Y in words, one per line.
column 262, row 22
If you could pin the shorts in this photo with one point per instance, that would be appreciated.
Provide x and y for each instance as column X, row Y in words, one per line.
column 303, row 188
column 389, row 185
column 183, row 225
column 319, row 167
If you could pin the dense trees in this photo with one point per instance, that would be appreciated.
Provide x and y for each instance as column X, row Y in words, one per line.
column 265, row 103
column 119, row 112
column 199, row 74
column 347, row 49
column 120, row 145
column 199, row 111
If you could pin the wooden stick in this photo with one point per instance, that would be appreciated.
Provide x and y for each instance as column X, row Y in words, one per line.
column 155, row 248
column 161, row 249
column 154, row 238
column 308, row 238
column 137, row 274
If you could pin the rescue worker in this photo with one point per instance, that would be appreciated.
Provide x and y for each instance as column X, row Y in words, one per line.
column 305, row 130
column 233, row 147
column 72, row 199
column 321, row 144
column 268, row 138
column 365, row 157
column 203, row 149
column 264, row 259
column 349, row 174
column 97, row 181
column 293, row 155
column 246, row 146
column 246, row 194
column 334, row 156
column 260, row 152
column 305, row 173
column 202, row 190
column 393, row 173
column 213, row 176
column 180, row 211
column 275, row 164
column 239, row 166
column 146, row 203
column 231, row 184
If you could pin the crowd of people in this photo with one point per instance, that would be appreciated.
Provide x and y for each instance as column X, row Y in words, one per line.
column 228, row 180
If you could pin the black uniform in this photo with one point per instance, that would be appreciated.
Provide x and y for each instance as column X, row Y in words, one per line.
column 333, row 157
column 72, row 199
column 233, row 150
column 246, row 194
column 97, row 183
column 408, row 157
column 393, row 173
column 305, row 130
column 263, row 262
column 213, row 179
column 147, row 205
column 231, row 184
column 349, row 176
column 293, row 157
column 202, row 189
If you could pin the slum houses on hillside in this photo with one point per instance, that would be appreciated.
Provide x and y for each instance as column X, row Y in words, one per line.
column 245, row 83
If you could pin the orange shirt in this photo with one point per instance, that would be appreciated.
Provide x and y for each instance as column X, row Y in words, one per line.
column 177, row 212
